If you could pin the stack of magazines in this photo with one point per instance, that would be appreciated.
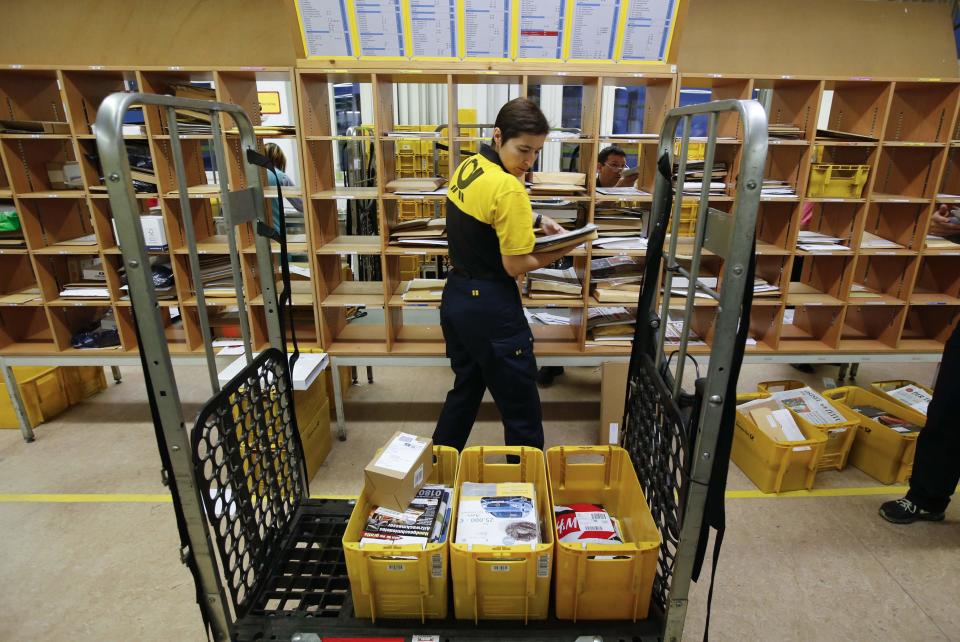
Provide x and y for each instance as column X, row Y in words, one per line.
column 426, row 520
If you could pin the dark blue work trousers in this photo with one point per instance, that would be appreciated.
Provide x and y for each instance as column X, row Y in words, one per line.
column 936, row 463
column 490, row 346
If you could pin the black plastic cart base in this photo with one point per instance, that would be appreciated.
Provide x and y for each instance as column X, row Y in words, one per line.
column 308, row 592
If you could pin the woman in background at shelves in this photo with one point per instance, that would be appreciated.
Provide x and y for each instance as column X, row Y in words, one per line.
column 490, row 233
column 276, row 156
column 945, row 224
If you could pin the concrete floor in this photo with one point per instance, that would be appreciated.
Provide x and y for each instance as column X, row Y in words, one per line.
column 821, row 568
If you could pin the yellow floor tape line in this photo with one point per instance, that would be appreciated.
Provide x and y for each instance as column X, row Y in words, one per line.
column 163, row 498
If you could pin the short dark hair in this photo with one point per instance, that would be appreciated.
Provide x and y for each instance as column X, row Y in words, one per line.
column 521, row 116
column 607, row 152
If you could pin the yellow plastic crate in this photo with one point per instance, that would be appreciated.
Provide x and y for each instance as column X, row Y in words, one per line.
column 880, row 451
column 688, row 219
column 392, row 581
column 504, row 582
column 840, row 436
column 587, row 588
column 840, row 181
column 774, row 466
column 780, row 385
column 695, row 151
column 83, row 381
column 882, row 387
column 44, row 393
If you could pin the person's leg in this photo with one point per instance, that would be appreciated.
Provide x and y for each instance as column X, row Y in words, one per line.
column 936, row 462
column 510, row 372
column 460, row 409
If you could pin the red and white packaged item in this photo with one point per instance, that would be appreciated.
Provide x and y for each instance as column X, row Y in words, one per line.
column 585, row 524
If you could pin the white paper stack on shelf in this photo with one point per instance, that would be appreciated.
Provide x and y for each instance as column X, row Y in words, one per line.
column 621, row 243
column 420, row 232
column 547, row 283
column 85, row 290
column 308, row 367
column 216, row 276
column 680, row 284
column 190, row 121
column 566, row 215
column 503, row 514
column 784, row 130
column 816, row 242
column 810, row 405
column 860, row 291
column 622, row 223
column 426, row 520
column 935, row 242
column 425, row 185
column 869, row 240
column 771, row 188
column 611, row 326
column 545, row 318
column 616, row 279
column 424, row 291
column 622, row 191
column 570, row 183
column 674, row 330
column 694, row 177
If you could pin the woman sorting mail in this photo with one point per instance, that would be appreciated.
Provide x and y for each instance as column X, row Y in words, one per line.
column 490, row 232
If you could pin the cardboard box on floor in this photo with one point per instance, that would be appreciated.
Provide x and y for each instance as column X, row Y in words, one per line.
column 315, row 436
column 613, row 395
column 399, row 470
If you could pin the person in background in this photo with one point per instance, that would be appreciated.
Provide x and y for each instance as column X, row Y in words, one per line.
column 611, row 164
column 936, row 462
column 276, row 156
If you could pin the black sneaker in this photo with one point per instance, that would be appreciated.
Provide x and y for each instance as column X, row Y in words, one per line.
column 903, row 511
column 547, row 373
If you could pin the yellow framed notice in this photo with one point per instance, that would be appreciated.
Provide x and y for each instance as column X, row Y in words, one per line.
column 591, row 31
column 381, row 29
column 538, row 29
column 325, row 26
column 431, row 27
column 646, row 31
column 484, row 29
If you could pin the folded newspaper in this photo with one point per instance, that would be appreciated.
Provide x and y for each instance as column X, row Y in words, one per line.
column 809, row 405
column 914, row 396
column 501, row 514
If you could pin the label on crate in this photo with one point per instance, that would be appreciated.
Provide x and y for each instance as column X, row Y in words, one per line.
column 420, row 637
column 436, row 565
column 500, row 568
column 396, row 567
column 543, row 566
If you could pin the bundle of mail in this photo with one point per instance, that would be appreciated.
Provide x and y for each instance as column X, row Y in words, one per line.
column 421, row 232
column 502, row 514
column 616, row 279
column 570, row 183
column 547, row 283
column 424, row 291
column 425, row 521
